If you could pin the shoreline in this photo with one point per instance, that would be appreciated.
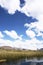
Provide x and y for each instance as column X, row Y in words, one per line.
column 13, row 55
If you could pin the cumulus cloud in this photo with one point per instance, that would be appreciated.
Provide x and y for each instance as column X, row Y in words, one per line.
column 33, row 32
column 34, row 8
column 30, row 33
column 34, row 26
column 35, row 44
column 13, row 34
column 4, row 42
column 1, row 35
column 10, row 5
column 31, row 7
column 32, row 44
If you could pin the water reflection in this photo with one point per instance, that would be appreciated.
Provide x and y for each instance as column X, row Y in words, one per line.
column 32, row 63
column 22, row 63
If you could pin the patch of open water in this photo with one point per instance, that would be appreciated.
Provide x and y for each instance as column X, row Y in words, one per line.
column 25, row 62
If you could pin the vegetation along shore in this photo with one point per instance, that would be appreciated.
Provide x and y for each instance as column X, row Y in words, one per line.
column 11, row 55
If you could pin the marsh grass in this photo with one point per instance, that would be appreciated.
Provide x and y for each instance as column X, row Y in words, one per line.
column 11, row 55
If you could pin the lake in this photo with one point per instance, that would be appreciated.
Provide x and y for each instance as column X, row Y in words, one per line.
column 25, row 62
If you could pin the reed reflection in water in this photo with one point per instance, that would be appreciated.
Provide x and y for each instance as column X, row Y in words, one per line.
column 23, row 62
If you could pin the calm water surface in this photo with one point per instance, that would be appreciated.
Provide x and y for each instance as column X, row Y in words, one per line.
column 25, row 62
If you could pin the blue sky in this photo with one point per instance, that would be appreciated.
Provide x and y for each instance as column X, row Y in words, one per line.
column 21, row 23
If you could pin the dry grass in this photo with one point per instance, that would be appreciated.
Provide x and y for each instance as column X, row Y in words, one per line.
column 10, row 55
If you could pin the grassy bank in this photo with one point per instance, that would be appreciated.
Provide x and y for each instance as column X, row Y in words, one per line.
column 11, row 55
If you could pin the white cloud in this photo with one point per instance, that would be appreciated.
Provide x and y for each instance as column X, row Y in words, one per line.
column 27, row 25
column 10, row 5
column 13, row 34
column 32, row 44
column 31, row 7
column 37, row 28
column 4, row 42
column 1, row 35
column 35, row 44
column 30, row 33
column 35, row 9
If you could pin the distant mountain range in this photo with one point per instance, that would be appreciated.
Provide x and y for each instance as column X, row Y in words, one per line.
column 6, row 47
column 10, row 48
column 13, row 48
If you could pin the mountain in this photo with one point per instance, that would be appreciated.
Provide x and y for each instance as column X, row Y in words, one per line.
column 11, row 48
column 14, row 48
column 6, row 47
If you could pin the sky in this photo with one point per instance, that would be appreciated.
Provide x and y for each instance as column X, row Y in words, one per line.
column 21, row 24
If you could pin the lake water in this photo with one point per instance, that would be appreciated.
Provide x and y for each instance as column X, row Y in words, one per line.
column 25, row 62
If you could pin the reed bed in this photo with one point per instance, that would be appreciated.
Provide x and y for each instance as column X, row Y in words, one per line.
column 11, row 55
